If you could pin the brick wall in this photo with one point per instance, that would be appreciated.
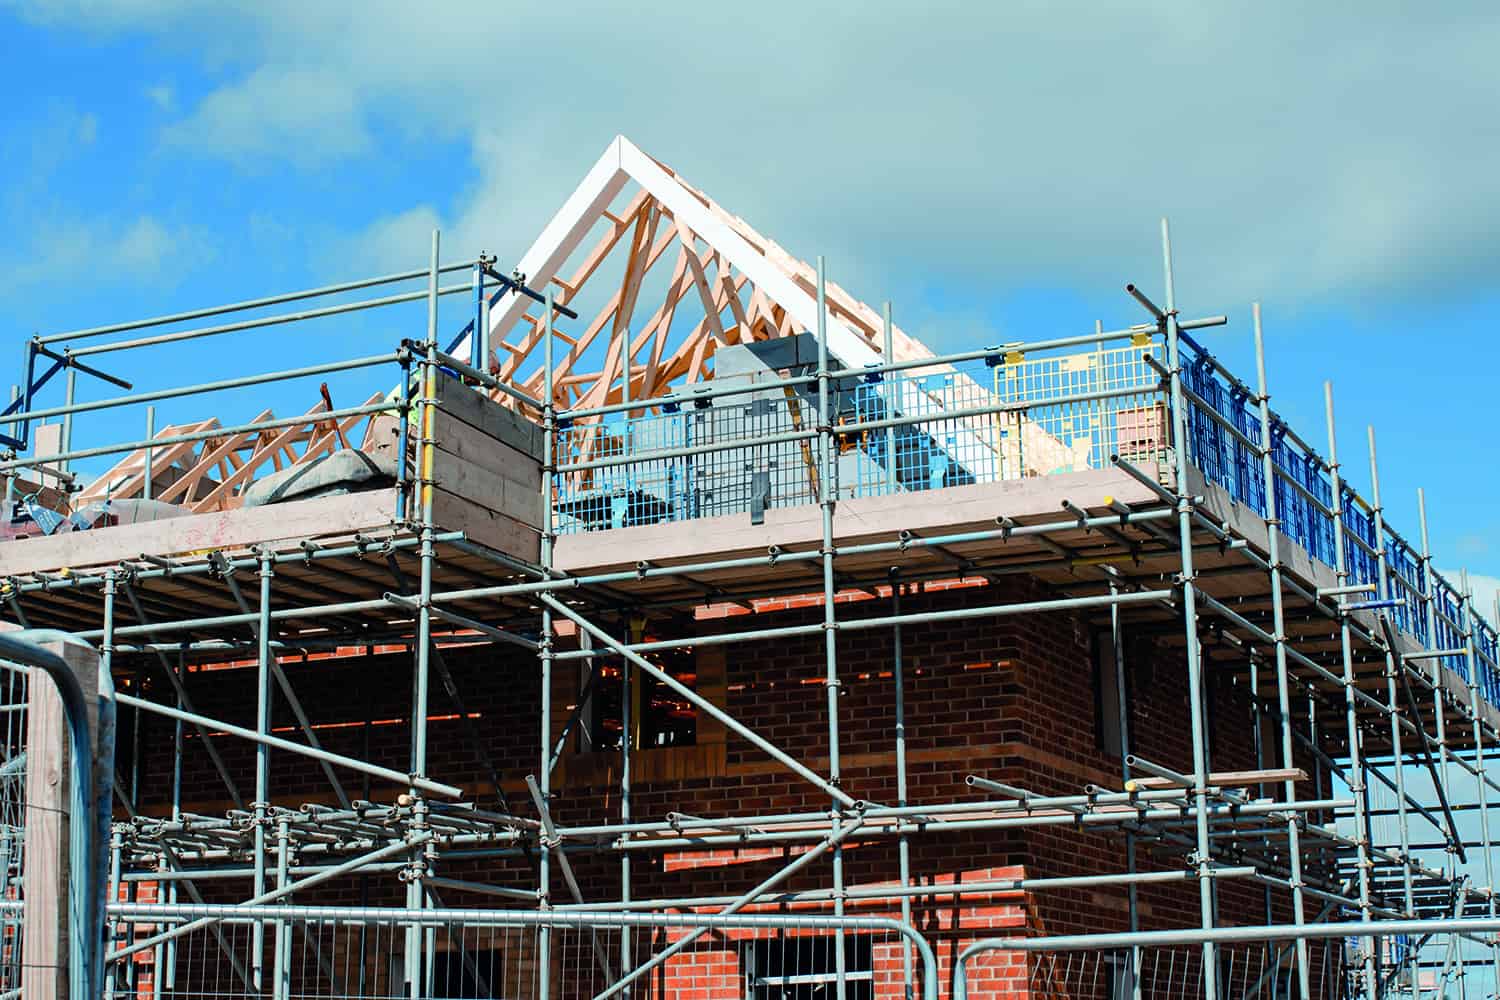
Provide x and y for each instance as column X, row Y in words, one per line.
column 1009, row 698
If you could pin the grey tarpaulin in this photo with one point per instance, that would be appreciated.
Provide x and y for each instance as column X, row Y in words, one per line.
column 344, row 471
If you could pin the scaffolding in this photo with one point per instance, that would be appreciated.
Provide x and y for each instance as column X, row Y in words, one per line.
column 1179, row 503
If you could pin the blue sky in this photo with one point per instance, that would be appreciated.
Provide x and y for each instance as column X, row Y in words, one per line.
column 997, row 173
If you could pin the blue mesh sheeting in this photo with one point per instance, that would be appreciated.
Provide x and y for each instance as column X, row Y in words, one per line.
column 1488, row 645
column 1404, row 582
column 1220, row 455
column 1359, row 526
column 1445, row 623
column 1304, row 497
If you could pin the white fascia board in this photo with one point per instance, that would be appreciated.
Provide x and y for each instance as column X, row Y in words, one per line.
column 685, row 207
column 561, row 236
column 624, row 161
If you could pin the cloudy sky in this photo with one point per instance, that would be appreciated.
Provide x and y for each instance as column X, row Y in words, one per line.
column 997, row 170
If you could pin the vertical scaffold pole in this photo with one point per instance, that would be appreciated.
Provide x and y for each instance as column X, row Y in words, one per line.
column 178, row 737
column 1351, row 707
column 826, row 500
column 1099, row 452
column 1122, row 708
column 1484, row 779
column 69, row 393
column 150, row 435
column 116, row 843
column 158, row 954
column 404, row 494
column 891, row 383
column 1392, row 664
column 903, row 845
column 1190, row 622
column 479, row 353
column 1324, row 789
column 416, row 935
column 281, row 986
column 1429, row 598
column 545, row 644
column 262, row 759
column 1476, row 711
column 1278, row 633
column 11, row 474
column 1252, row 662
column 117, row 930
column 627, row 724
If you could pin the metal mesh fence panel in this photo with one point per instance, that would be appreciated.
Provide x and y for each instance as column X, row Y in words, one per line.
column 13, row 695
column 1250, row 971
column 1005, row 417
column 327, row 956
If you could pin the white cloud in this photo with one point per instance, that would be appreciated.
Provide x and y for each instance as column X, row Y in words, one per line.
column 143, row 246
column 306, row 116
column 58, row 229
column 391, row 243
column 163, row 95
column 1472, row 544
column 1299, row 149
column 496, row 213
column 142, row 249
column 1485, row 589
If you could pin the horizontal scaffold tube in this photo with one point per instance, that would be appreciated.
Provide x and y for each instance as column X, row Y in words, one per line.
column 205, row 567
column 1238, row 935
column 1167, row 813
column 196, row 874
column 270, row 300
column 349, row 364
column 463, row 621
column 1175, row 814
column 251, row 324
column 486, row 380
column 1164, row 819
column 945, row 889
column 871, row 812
column 886, row 621
column 851, row 429
column 374, row 770
column 1240, row 621
column 1091, row 339
column 648, row 571
column 217, row 432
column 566, row 583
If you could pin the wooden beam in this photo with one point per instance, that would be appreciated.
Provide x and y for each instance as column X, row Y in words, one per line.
column 705, row 294
column 665, row 315
column 162, row 459
column 596, row 326
column 732, row 295
column 220, row 497
column 209, row 458
column 620, row 360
